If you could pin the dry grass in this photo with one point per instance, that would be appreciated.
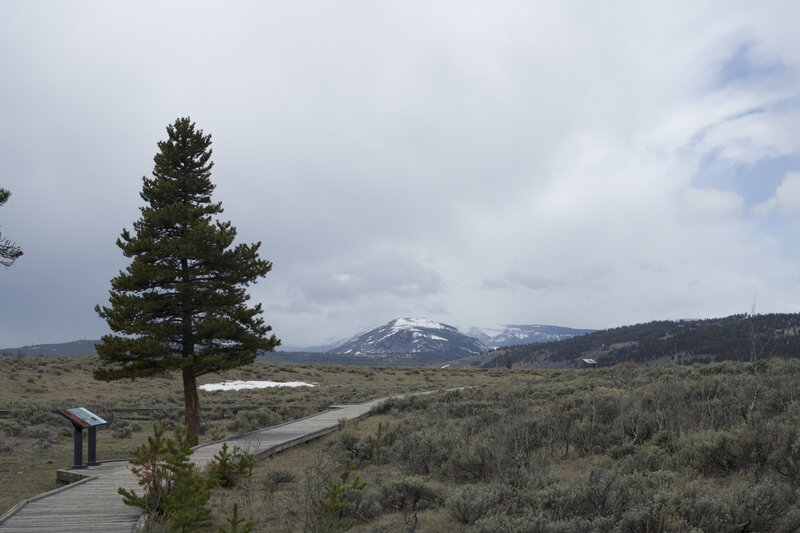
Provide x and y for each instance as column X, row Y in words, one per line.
column 41, row 441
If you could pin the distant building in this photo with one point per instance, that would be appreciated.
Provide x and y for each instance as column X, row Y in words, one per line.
column 588, row 363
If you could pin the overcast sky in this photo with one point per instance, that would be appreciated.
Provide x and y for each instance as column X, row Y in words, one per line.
column 478, row 163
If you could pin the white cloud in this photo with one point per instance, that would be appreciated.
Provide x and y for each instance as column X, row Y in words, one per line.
column 753, row 136
column 787, row 196
column 710, row 205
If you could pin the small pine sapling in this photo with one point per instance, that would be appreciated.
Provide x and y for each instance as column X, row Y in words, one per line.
column 333, row 506
column 228, row 468
column 236, row 524
column 173, row 490
column 377, row 443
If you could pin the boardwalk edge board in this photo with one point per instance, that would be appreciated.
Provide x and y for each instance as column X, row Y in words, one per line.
column 21, row 505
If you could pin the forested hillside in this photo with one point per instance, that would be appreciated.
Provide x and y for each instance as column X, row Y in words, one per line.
column 737, row 337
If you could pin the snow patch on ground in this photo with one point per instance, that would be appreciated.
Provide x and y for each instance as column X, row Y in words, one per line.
column 240, row 385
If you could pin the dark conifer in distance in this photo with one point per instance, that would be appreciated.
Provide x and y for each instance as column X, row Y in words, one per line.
column 181, row 303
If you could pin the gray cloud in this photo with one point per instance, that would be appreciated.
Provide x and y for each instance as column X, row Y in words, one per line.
column 350, row 279
column 515, row 280
column 405, row 159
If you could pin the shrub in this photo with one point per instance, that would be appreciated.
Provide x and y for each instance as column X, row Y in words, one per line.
column 279, row 476
column 790, row 522
column 538, row 524
column 403, row 404
column 122, row 430
column 466, row 408
column 649, row 497
column 14, row 429
column 31, row 416
column 604, row 494
column 366, row 504
column 421, row 452
column 36, row 433
column 354, row 448
column 472, row 460
column 274, row 478
column 709, row 452
column 648, row 458
column 511, row 524
column 760, row 507
column 785, row 459
column 468, row 504
column 45, row 441
column 410, row 495
column 251, row 420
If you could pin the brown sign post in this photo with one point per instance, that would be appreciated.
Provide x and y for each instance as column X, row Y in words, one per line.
column 81, row 419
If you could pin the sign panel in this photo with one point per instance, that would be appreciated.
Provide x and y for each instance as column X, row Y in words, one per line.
column 82, row 417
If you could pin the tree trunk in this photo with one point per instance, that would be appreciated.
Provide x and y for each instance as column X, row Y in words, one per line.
column 192, row 404
column 190, row 397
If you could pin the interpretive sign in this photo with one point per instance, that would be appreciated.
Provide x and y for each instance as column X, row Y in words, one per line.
column 81, row 419
column 82, row 416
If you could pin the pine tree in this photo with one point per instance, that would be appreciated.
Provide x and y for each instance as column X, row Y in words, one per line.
column 181, row 304
column 173, row 490
column 9, row 252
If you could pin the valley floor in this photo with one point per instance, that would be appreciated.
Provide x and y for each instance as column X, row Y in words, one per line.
column 669, row 448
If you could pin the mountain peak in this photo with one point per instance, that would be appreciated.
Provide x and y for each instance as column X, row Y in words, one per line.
column 418, row 322
column 410, row 335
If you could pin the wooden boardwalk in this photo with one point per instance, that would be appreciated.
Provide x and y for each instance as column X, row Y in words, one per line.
column 93, row 504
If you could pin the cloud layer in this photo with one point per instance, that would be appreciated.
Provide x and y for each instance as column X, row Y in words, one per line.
column 523, row 162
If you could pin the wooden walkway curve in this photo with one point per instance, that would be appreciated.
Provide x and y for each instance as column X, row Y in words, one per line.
column 92, row 504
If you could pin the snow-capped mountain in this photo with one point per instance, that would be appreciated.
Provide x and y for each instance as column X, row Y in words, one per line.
column 497, row 336
column 410, row 336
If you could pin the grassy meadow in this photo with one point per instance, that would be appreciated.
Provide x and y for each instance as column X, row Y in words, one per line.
column 34, row 441
column 670, row 448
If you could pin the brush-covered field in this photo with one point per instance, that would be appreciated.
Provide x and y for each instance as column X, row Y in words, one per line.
column 34, row 441
column 700, row 448
column 671, row 448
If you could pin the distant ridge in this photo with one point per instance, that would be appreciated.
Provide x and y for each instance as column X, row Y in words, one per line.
column 737, row 338
column 513, row 334
column 81, row 347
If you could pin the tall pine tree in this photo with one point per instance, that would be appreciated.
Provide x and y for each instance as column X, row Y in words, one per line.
column 181, row 303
